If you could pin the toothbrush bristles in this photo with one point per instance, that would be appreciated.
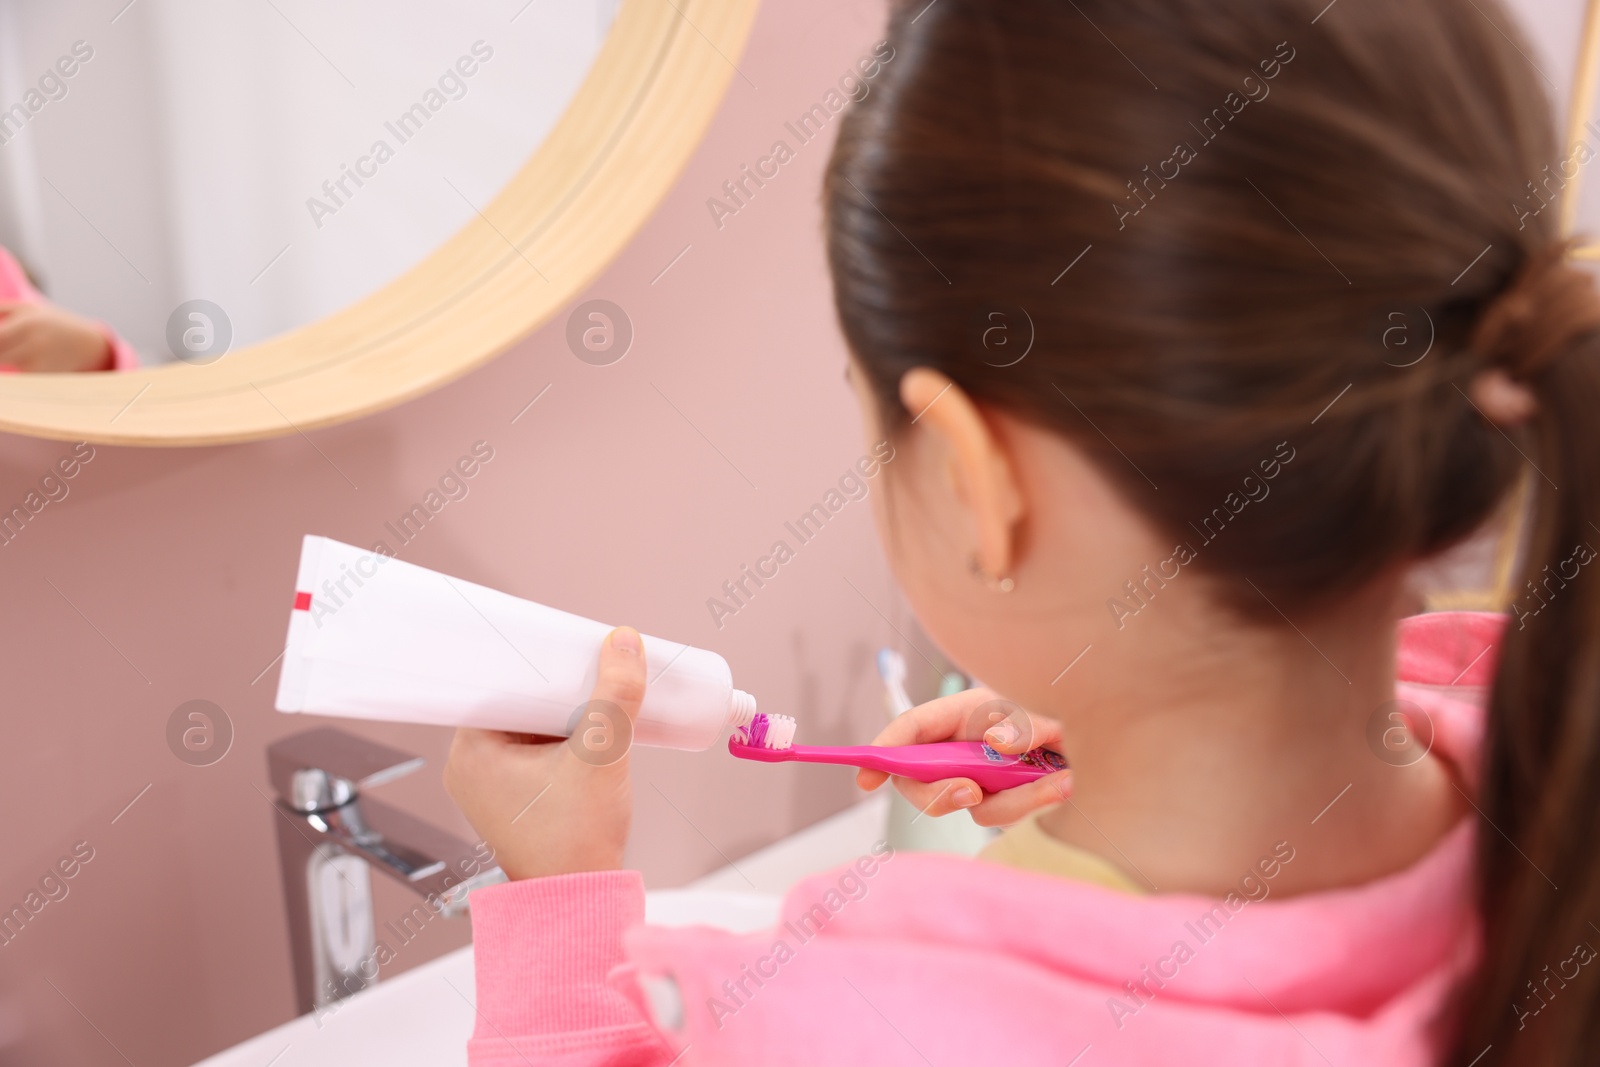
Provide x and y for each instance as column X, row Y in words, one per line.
column 768, row 731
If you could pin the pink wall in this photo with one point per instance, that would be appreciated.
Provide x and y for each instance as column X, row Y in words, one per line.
column 165, row 577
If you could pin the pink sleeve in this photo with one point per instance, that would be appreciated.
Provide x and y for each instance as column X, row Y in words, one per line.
column 542, row 950
column 123, row 357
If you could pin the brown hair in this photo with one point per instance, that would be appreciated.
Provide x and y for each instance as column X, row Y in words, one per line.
column 1212, row 268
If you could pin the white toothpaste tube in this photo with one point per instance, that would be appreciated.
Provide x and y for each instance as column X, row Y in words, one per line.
column 374, row 637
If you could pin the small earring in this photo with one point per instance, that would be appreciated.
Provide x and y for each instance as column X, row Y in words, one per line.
column 998, row 585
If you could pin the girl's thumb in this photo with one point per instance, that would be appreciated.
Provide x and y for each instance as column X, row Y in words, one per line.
column 603, row 731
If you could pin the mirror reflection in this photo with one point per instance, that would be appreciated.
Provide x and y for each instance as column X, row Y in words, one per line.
column 180, row 178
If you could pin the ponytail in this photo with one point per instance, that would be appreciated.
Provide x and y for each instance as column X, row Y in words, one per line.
column 1536, row 998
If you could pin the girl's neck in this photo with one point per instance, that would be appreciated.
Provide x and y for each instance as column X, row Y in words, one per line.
column 1191, row 766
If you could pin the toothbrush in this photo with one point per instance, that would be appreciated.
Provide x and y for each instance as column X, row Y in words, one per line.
column 770, row 739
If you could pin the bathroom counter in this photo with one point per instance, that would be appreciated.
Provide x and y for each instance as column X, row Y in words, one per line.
column 424, row 1016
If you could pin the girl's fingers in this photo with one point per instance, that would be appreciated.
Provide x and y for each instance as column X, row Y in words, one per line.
column 1013, row 805
column 870, row 780
column 603, row 733
column 988, row 809
column 975, row 714
column 621, row 674
column 939, row 798
column 972, row 715
column 1018, row 733
column 942, row 719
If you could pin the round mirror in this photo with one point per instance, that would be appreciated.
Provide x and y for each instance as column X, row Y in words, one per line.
column 282, row 216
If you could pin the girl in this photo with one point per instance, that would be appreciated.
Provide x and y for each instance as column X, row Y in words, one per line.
column 1195, row 325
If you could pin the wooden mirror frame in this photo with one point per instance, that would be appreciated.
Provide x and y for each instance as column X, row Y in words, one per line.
column 640, row 112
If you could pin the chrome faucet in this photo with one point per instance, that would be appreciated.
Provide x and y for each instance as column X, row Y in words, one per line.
column 329, row 838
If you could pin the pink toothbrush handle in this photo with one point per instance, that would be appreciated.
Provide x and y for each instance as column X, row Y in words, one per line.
column 993, row 771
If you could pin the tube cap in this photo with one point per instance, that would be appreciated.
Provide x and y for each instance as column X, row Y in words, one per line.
column 741, row 708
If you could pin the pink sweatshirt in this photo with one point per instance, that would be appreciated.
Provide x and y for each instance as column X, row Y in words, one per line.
column 16, row 289
column 919, row 959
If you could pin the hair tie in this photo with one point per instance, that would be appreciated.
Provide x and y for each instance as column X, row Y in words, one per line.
column 1548, row 305
column 1531, row 323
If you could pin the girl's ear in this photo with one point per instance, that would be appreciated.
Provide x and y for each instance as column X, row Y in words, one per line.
column 977, row 463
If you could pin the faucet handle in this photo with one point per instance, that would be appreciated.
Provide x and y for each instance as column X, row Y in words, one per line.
column 325, row 767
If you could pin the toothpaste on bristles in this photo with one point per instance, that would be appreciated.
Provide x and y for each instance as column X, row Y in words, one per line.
column 767, row 731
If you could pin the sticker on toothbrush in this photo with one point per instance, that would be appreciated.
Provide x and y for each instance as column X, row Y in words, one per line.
column 1014, row 724
column 599, row 733
column 1044, row 759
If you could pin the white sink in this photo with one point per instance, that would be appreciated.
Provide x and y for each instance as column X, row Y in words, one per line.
column 424, row 1016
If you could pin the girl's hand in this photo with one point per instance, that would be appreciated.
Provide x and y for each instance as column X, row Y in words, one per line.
column 974, row 715
column 43, row 338
column 554, row 805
